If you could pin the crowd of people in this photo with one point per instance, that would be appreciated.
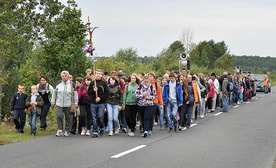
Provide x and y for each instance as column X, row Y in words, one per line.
column 101, row 102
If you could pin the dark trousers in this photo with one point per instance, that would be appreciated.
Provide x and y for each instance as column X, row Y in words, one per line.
column 146, row 113
column 88, row 118
column 19, row 119
column 186, row 115
column 209, row 102
column 84, row 110
column 130, row 116
column 44, row 111
column 153, row 116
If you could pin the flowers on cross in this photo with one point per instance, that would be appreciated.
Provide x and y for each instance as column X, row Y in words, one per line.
column 89, row 52
column 88, row 48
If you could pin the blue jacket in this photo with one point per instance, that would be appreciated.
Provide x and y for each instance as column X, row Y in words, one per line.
column 179, row 94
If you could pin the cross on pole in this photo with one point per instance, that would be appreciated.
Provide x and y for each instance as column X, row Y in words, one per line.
column 91, row 30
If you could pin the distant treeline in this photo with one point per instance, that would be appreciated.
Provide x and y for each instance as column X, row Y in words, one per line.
column 256, row 64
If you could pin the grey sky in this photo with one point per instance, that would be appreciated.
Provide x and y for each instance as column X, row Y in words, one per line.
column 248, row 27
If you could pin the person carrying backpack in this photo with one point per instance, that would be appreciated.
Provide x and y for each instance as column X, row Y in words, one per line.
column 225, row 93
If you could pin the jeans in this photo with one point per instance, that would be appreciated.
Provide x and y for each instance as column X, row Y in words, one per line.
column 172, row 108
column 146, row 113
column 19, row 118
column 161, row 116
column 113, row 113
column 265, row 90
column 240, row 96
column 97, row 111
column 231, row 102
column 225, row 100
column 186, row 115
column 44, row 111
column 61, row 111
column 201, row 107
column 32, row 121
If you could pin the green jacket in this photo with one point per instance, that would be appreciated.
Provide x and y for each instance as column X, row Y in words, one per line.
column 39, row 101
column 128, row 98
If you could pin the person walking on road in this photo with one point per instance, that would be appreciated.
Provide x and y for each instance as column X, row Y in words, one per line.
column 172, row 98
column 145, row 94
column 62, row 99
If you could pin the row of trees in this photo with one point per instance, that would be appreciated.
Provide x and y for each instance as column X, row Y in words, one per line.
column 46, row 37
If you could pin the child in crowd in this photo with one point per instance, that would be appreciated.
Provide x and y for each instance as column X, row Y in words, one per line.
column 34, row 103
column 18, row 109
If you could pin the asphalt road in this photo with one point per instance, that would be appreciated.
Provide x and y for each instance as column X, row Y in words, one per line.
column 245, row 137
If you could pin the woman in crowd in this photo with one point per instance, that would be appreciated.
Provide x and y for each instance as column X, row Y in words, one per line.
column 210, row 95
column 45, row 90
column 193, row 100
column 187, row 107
column 62, row 100
column 130, row 103
column 145, row 94
column 86, row 105
column 114, row 104
column 158, row 101
column 265, row 84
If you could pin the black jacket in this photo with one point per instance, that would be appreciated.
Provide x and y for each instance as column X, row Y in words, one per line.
column 102, row 91
column 18, row 101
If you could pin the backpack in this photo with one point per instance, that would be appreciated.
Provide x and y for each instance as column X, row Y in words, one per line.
column 230, row 86
column 151, row 88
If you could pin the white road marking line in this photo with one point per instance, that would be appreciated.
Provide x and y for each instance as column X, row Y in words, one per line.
column 128, row 151
column 218, row 114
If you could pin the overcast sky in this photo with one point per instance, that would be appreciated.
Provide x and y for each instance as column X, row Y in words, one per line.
column 248, row 27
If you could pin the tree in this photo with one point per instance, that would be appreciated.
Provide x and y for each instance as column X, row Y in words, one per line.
column 129, row 57
column 226, row 62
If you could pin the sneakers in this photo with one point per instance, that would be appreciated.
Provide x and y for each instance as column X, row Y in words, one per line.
column 145, row 134
column 183, row 129
column 106, row 129
column 170, row 129
column 124, row 130
column 87, row 133
column 150, row 132
column 117, row 130
column 110, row 133
column 95, row 135
column 180, row 128
column 130, row 134
column 59, row 133
column 83, row 131
column 155, row 123
column 66, row 134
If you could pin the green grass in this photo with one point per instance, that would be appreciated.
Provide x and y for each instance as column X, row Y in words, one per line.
column 8, row 134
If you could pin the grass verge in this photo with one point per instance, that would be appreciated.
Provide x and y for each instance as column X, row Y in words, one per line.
column 8, row 134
